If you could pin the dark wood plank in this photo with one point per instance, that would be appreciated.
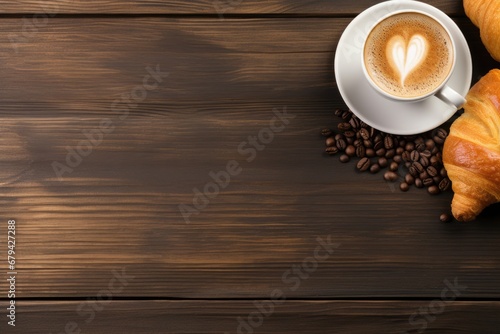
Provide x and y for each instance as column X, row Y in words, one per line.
column 71, row 63
column 215, row 7
column 119, row 209
column 354, row 317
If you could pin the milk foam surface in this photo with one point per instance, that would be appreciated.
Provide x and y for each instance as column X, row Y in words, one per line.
column 408, row 54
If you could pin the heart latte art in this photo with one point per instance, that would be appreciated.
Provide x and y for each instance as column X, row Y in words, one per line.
column 408, row 55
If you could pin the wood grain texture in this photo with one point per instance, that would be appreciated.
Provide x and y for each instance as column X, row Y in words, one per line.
column 311, row 317
column 118, row 209
column 213, row 7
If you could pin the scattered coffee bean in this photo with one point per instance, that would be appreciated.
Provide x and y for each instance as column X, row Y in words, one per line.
column 433, row 190
column 388, row 142
column 418, row 166
column 341, row 144
column 445, row 217
column 344, row 158
column 375, row 168
column 350, row 150
column 364, row 133
column 414, row 155
column 360, row 151
column 332, row 150
column 330, row 141
column 432, row 171
column 428, row 182
column 390, row 176
column 383, row 162
column 419, row 183
column 363, row 164
column 414, row 160
column 344, row 126
column 409, row 179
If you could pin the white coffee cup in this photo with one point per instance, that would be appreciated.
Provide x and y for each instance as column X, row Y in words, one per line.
column 405, row 54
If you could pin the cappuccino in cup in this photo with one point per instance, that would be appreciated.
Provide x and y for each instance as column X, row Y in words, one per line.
column 408, row 55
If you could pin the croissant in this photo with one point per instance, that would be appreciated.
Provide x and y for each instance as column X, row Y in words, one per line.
column 485, row 14
column 471, row 152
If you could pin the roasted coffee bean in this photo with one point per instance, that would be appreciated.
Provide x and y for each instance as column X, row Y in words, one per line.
column 399, row 150
column 390, row 176
column 407, row 164
column 378, row 138
column 375, row 168
column 414, row 155
column 418, row 166
column 326, row 132
column 350, row 150
column 413, row 171
column 444, row 184
column 393, row 166
column 367, row 143
column 409, row 179
column 344, row 158
column 350, row 134
column 437, row 179
column 423, row 175
column 438, row 140
column 410, row 147
column 332, row 150
column 402, row 144
column 370, row 152
column 357, row 143
column 378, row 145
column 426, row 153
column 349, row 141
column 419, row 140
column 339, row 136
column 432, row 171
column 406, row 156
column 363, row 125
column 346, row 116
column 420, row 147
column 330, row 141
column 360, row 151
column 397, row 158
column 429, row 144
column 445, row 217
column 344, row 126
column 363, row 164
column 341, row 144
column 404, row 186
column 428, row 182
column 435, row 150
column 372, row 132
column 439, row 156
column 443, row 172
column 390, row 153
column 383, row 162
column 434, row 161
column 419, row 183
column 441, row 133
column 388, row 142
column 354, row 122
column 364, row 133
column 424, row 161
column 433, row 190
column 338, row 112
column 380, row 152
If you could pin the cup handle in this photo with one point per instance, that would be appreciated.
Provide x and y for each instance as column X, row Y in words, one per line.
column 450, row 96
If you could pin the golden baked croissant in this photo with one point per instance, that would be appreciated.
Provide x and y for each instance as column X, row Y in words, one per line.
column 485, row 14
column 471, row 152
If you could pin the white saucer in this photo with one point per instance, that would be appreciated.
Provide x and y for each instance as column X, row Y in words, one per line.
column 376, row 110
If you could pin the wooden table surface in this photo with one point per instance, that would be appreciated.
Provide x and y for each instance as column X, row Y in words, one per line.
column 115, row 114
